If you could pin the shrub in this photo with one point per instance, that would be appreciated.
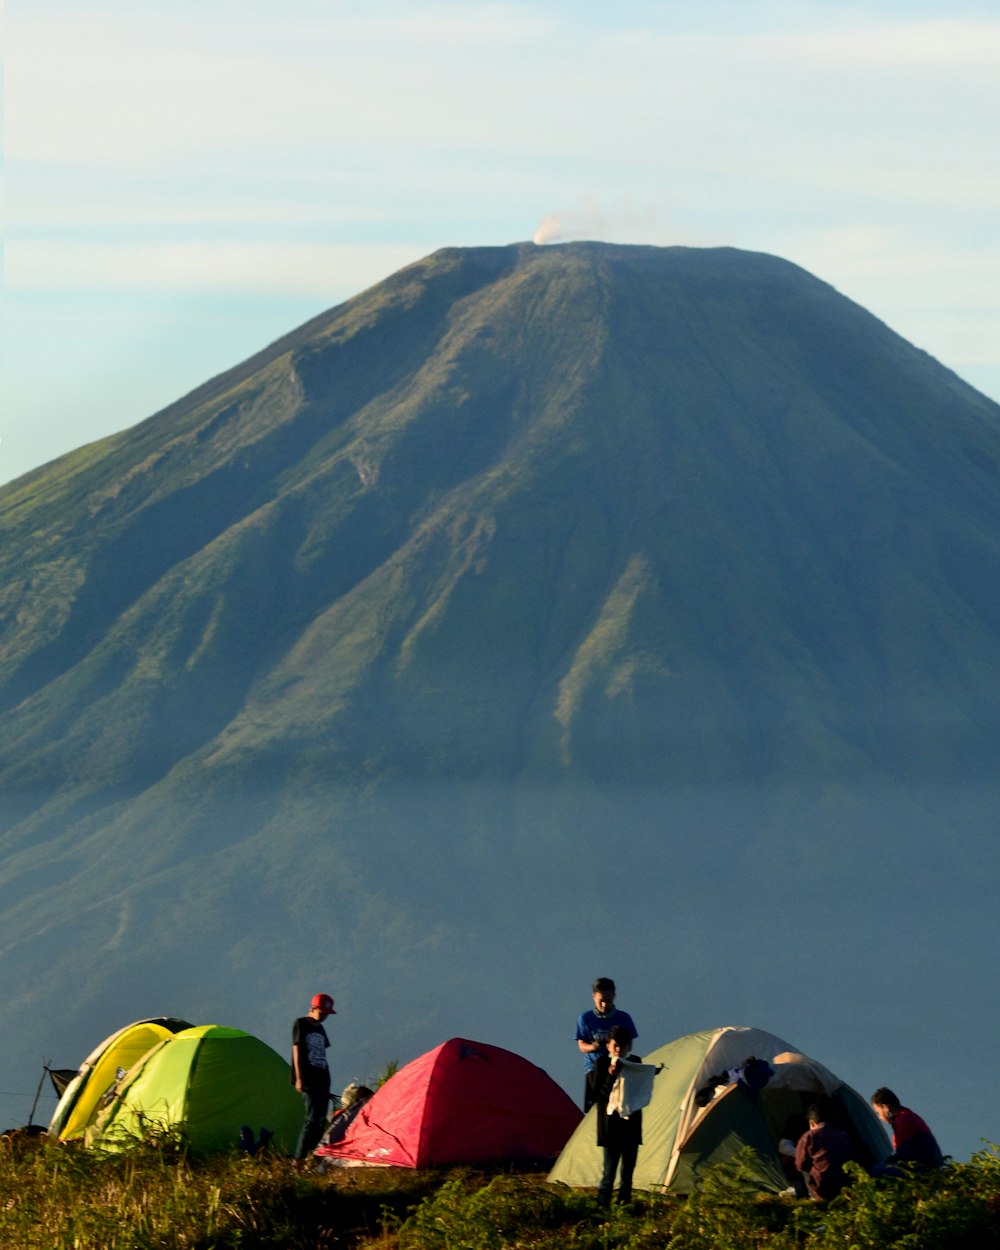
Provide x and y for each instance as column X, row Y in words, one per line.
column 956, row 1207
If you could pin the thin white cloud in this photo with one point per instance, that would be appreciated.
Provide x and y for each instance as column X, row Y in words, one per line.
column 149, row 119
column 95, row 86
column 261, row 267
column 709, row 160
column 962, row 44
column 150, row 89
column 38, row 210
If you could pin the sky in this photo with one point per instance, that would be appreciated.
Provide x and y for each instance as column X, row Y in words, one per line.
column 186, row 181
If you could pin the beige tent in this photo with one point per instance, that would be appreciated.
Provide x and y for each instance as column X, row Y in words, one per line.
column 681, row 1139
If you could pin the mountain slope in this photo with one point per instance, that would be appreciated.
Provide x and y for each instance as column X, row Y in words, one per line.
column 358, row 664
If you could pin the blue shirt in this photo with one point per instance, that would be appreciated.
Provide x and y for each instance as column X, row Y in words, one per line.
column 592, row 1027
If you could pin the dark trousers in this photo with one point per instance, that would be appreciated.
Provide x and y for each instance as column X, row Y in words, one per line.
column 621, row 1147
column 317, row 1102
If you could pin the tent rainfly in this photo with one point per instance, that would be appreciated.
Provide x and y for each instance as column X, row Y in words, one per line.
column 201, row 1086
column 681, row 1138
column 462, row 1102
column 81, row 1098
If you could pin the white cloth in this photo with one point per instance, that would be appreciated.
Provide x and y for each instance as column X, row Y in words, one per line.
column 633, row 1087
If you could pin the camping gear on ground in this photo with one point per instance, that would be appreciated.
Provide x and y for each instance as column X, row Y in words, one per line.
column 462, row 1102
column 81, row 1097
column 200, row 1089
column 681, row 1138
column 61, row 1077
column 352, row 1100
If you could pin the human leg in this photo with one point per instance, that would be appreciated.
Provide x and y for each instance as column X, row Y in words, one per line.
column 612, row 1154
column 629, row 1152
column 317, row 1101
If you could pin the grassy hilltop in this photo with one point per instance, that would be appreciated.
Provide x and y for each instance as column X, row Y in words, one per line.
column 52, row 1198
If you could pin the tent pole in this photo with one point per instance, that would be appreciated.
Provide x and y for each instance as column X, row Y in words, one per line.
column 38, row 1091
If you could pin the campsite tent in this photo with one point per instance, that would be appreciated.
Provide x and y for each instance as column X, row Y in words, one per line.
column 462, row 1102
column 682, row 1139
column 80, row 1099
column 201, row 1086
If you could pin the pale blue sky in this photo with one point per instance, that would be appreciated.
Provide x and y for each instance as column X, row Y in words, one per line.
column 185, row 181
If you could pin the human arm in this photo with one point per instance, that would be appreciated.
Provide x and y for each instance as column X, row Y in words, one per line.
column 589, row 1039
column 297, row 1057
column 601, row 1079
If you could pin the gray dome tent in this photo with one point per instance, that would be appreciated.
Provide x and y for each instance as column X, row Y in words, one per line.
column 682, row 1138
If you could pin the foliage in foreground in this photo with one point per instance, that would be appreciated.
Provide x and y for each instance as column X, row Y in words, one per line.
column 955, row 1209
column 53, row 1198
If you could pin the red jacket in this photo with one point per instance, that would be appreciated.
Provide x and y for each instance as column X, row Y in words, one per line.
column 912, row 1140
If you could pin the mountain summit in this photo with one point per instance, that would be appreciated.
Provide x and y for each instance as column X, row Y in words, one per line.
column 536, row 613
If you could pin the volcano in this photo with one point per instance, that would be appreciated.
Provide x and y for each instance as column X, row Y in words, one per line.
column 539, row 613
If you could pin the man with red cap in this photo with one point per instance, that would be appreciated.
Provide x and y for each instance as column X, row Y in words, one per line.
column 311, row 1072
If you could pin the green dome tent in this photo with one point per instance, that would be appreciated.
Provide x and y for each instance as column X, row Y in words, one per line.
column 80, row 1100
column 200, row 1087
column 681, row 1139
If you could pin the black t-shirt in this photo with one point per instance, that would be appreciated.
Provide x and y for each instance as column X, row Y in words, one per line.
column 310, row 1040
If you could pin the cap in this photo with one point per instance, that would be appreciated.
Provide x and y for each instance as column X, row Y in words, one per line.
column 324, row 1002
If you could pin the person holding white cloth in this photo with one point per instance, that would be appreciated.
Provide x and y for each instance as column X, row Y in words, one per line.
column 622, row 1086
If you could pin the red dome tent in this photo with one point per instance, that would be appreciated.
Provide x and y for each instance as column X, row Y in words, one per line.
column 463, row 1102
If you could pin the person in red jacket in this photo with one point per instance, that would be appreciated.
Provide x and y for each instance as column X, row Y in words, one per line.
column 912, row 1141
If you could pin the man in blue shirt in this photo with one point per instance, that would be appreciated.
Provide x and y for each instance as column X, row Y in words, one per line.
column 593, row 1027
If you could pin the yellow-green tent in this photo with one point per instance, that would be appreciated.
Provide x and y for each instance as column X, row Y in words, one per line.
column 81, row 1099
column 681, row 1139
column 199, row 1088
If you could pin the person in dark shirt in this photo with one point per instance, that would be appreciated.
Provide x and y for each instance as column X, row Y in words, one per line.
column 913, row 1143
column 593, row 1027
column 311, row 1072
column 821, row 1153
column 618, row 1134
